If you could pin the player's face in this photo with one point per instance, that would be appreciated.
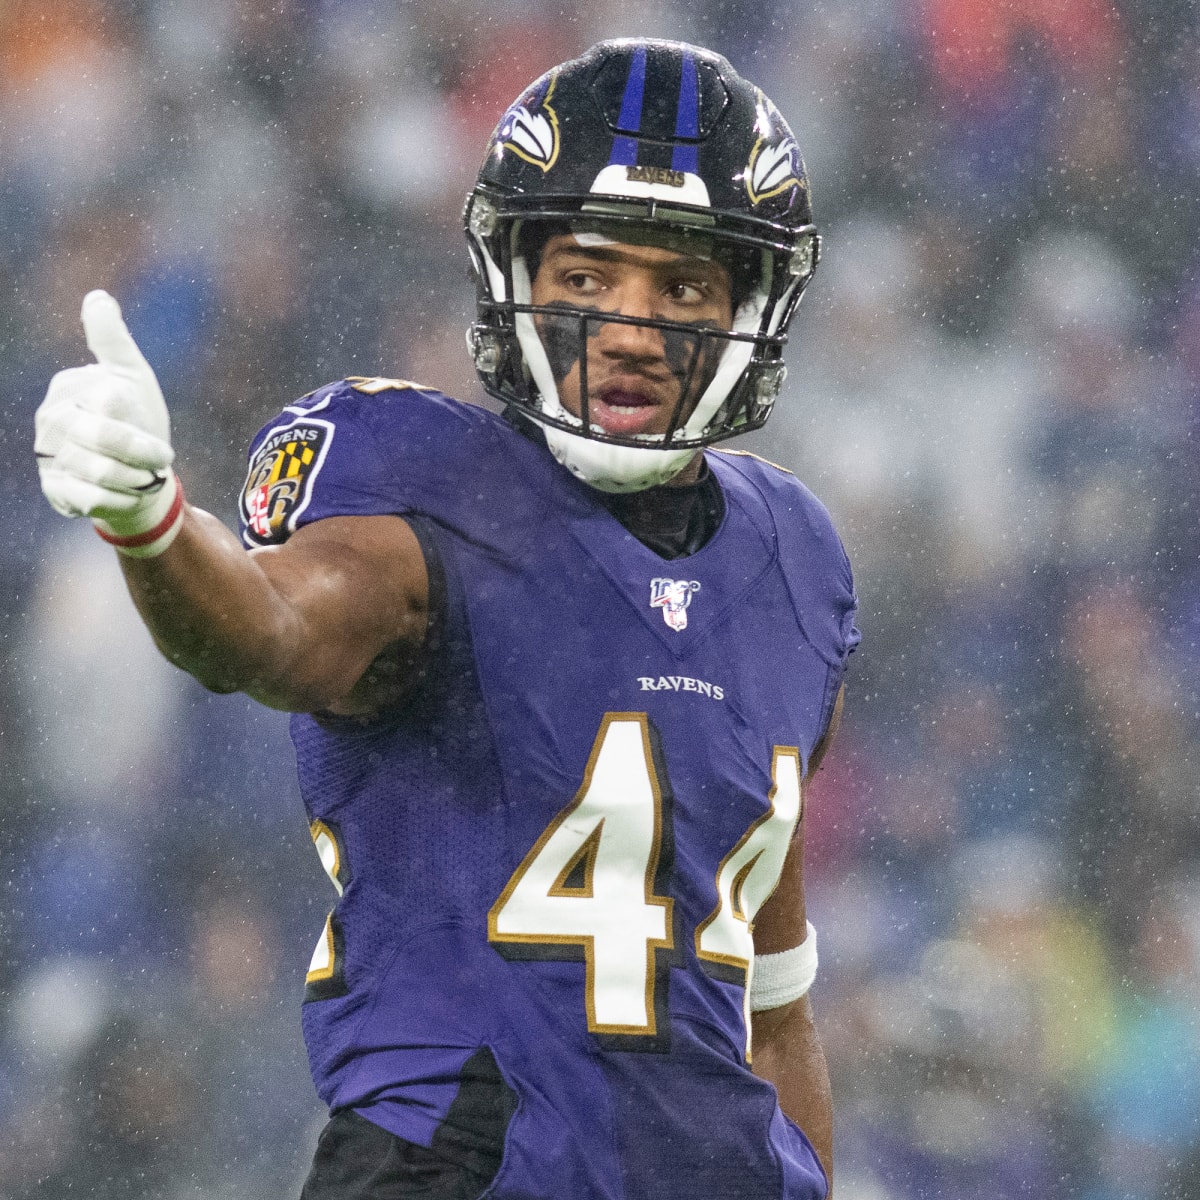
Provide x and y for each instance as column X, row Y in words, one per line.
column 636, row 375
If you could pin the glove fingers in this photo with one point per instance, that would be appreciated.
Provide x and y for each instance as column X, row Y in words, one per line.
column 108, row 337
column 105, row 472
column 59, row 489
column 120, row 441
column 74, row 497
column 59, row 409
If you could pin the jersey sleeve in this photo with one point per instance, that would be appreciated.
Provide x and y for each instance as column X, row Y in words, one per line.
column 319, row 458
column 845, row 605
column 823, row 583
column 813, row 560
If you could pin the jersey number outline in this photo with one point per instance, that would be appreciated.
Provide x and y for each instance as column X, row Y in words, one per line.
column 325, row 977
column 750, row 872
column 591, row 885
column 575, row 891
column 747, row 878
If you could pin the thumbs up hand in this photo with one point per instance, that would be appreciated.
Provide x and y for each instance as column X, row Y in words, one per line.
column 103, row 440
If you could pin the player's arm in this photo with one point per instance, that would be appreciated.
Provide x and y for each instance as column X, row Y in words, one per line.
column 332, row 619
column 784, row 1044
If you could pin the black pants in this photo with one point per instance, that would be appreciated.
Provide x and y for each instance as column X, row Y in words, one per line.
column 357, row 1160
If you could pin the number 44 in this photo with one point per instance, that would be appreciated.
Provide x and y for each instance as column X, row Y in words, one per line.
column 587, row 888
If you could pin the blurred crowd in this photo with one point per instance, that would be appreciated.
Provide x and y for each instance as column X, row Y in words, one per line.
column 993, row 385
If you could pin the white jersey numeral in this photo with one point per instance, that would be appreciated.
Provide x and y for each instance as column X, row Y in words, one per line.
column 750, row 872
column 325, row 969
column 587, row 888
column 588, row 883
column 748, row 875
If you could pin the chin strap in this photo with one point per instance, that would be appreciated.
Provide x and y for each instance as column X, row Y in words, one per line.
column 615, row 468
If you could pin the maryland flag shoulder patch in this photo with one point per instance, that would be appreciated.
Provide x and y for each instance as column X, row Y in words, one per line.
column 280, row 479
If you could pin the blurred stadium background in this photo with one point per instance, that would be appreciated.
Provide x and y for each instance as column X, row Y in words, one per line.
column 994, row 383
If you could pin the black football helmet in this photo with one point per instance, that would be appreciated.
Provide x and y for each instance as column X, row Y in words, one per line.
column 641, row 141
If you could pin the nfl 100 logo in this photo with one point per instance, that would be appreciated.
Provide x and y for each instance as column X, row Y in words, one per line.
column 673, row 596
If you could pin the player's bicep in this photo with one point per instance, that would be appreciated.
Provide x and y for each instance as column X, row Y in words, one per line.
column 356, row 587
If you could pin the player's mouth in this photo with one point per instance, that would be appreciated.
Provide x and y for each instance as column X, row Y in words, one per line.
column 624, row 411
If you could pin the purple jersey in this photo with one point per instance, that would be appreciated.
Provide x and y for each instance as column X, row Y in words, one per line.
column 555, row 851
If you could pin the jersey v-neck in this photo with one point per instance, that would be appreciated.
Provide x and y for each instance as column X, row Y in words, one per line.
column 671, row 520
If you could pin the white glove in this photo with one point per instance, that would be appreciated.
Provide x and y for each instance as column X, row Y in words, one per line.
column 103, row 440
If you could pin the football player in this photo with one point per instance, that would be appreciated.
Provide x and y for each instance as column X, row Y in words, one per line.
column 559, row 675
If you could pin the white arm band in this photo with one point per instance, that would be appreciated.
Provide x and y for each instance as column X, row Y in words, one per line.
column 778, row 979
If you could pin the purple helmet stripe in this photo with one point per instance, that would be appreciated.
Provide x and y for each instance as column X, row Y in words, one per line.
column 687, row 118
column 624, row 149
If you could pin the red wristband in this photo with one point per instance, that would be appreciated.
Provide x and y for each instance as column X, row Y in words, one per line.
column 151, row 535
